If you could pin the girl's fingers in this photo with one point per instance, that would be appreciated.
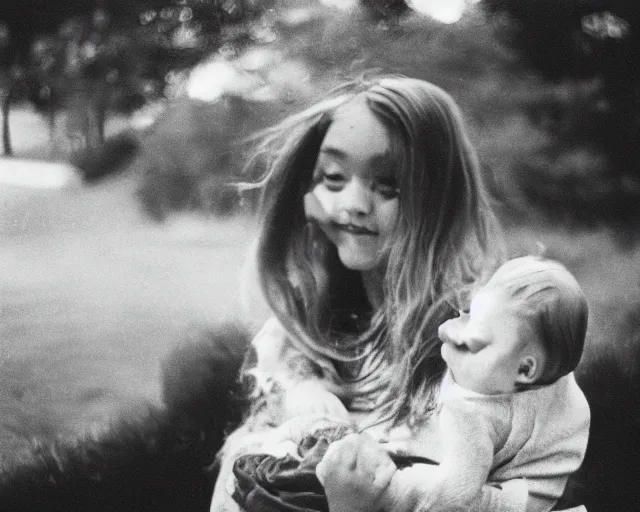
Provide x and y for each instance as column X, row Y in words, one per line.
column 294, row 429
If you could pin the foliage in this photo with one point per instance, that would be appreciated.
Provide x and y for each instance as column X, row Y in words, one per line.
column 588, row 53
column 544, row 142
column 158, row 461
column 89, row 57
column 311, row 49
column 608, row 477
column 549, row 87
column 189, row 158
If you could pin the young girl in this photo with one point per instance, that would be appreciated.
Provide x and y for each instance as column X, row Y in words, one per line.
column 509, row 405
column 375, row 218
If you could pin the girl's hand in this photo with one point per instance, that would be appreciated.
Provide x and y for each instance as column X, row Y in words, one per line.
column 311, row 398
column 355, row 472
column 295, row 429
column 286, row 438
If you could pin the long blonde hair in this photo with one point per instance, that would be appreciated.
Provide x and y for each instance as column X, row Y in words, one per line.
column 447, row 239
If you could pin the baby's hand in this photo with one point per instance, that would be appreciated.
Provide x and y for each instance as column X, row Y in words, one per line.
column 355, row 472
column 311, row 398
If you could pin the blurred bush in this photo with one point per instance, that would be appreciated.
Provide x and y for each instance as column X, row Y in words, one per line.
column 588, row 54
column 539, row 139
column 191, row 157
column 159, row 459
column 99, row 161
column 550, row 88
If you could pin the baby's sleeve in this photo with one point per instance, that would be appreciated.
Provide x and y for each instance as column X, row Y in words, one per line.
column 554, row 425
column 409, row 494
column 510, row 496
column 470, row 431
column 563, row 448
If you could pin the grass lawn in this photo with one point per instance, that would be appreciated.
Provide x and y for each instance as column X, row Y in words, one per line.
column 93, row 296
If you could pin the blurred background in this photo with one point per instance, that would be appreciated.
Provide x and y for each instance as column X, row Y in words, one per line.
column 122, row 123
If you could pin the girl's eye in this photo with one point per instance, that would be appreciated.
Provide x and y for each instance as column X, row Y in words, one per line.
column 333, row 180
column 387, row 188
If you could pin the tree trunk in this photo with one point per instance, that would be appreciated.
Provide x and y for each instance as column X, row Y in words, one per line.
column 6, row 108
column 51, row 123
column 101, row 119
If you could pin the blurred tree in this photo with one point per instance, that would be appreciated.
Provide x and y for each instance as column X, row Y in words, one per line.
column 90, row 56
column 550, row 137
column 23, row 21
column 6, row 79
column 546, row 32
column 588, row 51
column 380, row 10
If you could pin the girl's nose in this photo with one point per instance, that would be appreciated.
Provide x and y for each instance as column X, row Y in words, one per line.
column 356, row 198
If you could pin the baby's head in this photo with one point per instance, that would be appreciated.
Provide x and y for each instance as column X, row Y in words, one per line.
column 525, row 327
column 549, row 299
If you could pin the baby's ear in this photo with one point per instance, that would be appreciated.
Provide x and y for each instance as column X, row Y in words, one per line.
column 529, row 369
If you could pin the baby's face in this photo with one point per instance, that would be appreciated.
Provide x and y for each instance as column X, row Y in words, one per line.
column 484, row 347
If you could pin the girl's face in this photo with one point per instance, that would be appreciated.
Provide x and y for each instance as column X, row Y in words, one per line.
column 354, row 192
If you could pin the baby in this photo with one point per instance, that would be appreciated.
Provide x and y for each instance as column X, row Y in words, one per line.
column 509, row 408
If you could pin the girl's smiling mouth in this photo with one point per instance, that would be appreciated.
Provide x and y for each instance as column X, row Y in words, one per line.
column 353, row 229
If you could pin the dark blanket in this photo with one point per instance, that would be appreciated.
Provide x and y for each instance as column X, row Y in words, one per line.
column 265, row 483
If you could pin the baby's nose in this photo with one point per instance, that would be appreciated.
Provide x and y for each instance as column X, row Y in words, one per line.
column 444, row 332
column 449, row 332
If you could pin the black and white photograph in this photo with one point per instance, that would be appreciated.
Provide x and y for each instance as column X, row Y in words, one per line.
column 319, row 255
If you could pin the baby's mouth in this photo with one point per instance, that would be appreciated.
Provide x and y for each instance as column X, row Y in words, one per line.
column 353, row 229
